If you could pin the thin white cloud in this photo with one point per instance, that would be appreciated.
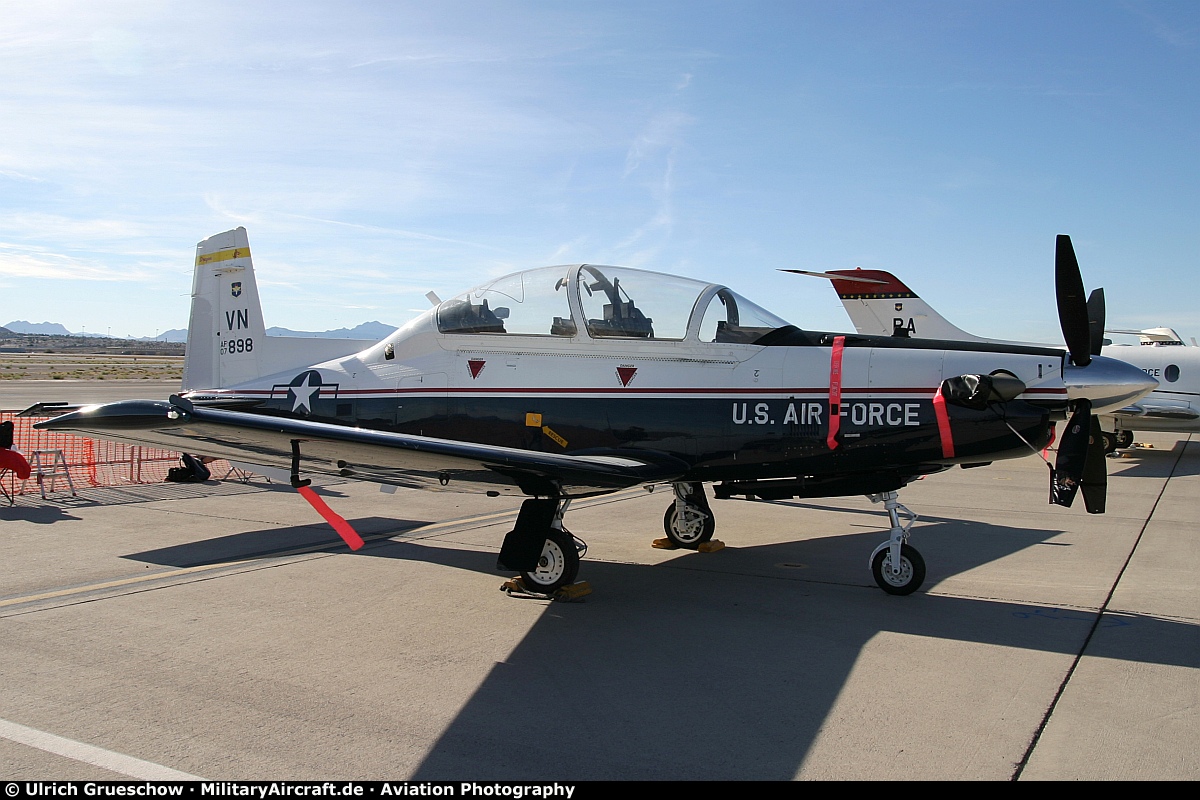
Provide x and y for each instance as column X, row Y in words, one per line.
column 19, row 176
column 562, row 253
column 662, row 135
column 74, row 231
column 1176, row 34
column 20, row 262
column 426, row 237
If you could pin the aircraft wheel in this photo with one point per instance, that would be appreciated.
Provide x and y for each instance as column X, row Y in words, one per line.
column 1110, row 442
column 912, row 570
column 693, row 530
column 1124, row 439
column 558, row 565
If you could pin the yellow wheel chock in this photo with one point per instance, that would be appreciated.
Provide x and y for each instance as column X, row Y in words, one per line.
column 711, row 546
column 572, row 591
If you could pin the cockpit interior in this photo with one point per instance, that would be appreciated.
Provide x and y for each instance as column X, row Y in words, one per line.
column 601, row 302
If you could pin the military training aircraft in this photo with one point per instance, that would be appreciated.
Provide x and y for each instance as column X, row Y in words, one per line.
column 566, row 382
column 879, row 303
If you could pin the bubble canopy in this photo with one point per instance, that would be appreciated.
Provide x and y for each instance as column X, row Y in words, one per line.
column 601, row 302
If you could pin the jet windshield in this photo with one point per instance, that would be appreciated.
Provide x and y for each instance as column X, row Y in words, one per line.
column 606, row 303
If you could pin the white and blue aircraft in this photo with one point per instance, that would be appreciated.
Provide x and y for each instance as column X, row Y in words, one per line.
column 572, row 381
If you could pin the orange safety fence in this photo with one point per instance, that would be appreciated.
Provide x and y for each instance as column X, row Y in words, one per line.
column 92, row 462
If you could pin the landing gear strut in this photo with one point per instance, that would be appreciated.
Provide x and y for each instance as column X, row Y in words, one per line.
column 897, row 566
column 559, row 562
column 689, row 521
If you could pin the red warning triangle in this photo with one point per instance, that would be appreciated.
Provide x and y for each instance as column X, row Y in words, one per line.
column 625, row 374
column 476, row 366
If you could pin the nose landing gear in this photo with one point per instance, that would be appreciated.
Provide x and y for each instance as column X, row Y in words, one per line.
column 896, row 565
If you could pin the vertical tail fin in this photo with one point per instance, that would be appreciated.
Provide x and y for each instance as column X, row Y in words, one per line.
column 226, row 333
column 882, row 305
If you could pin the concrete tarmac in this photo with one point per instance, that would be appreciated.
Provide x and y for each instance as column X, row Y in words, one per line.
column 17, row 395
column 223, row 631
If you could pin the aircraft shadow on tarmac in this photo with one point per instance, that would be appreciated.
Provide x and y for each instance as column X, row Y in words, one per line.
column 697, row 668
column 742, row 672
column 746, row 693
column 38, row 515
column 268, row 542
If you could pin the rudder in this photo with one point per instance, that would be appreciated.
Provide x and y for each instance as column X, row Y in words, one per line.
column 226, row 332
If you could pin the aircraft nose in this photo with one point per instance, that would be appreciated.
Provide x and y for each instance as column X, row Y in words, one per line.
column 1108, row 382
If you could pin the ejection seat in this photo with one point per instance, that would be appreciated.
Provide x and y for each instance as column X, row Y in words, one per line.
column 622, row 319
column 463, row 316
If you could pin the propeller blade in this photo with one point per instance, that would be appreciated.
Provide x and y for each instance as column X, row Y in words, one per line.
column 1095, row 311
column 1068, row 470
column 1072, row 307
column 1095, row 474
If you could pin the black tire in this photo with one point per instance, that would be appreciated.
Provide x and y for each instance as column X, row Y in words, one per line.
column 558, row 565
column 1124, row 439
column 694, row 530
column 912, row 570
column 1110, row 442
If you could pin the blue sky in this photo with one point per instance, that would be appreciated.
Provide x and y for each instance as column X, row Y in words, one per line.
column 377, row 151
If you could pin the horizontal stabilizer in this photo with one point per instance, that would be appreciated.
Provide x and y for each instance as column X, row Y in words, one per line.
column 1158, row 410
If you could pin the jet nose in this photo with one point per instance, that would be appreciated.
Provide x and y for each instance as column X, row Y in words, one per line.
column 1108, row 382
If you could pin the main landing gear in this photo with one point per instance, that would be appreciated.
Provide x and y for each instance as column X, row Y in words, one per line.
column 541, row 549
column 557, row 566
column 897, row 566
column 689, row 521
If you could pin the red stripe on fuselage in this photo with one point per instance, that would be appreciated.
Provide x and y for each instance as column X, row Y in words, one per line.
column 783, row 391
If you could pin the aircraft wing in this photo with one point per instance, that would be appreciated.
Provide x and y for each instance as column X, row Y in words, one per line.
column 378, row 456
column 1155, row 408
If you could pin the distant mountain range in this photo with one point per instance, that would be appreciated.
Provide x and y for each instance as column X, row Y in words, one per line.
column 48, row 328
column 368, row 330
